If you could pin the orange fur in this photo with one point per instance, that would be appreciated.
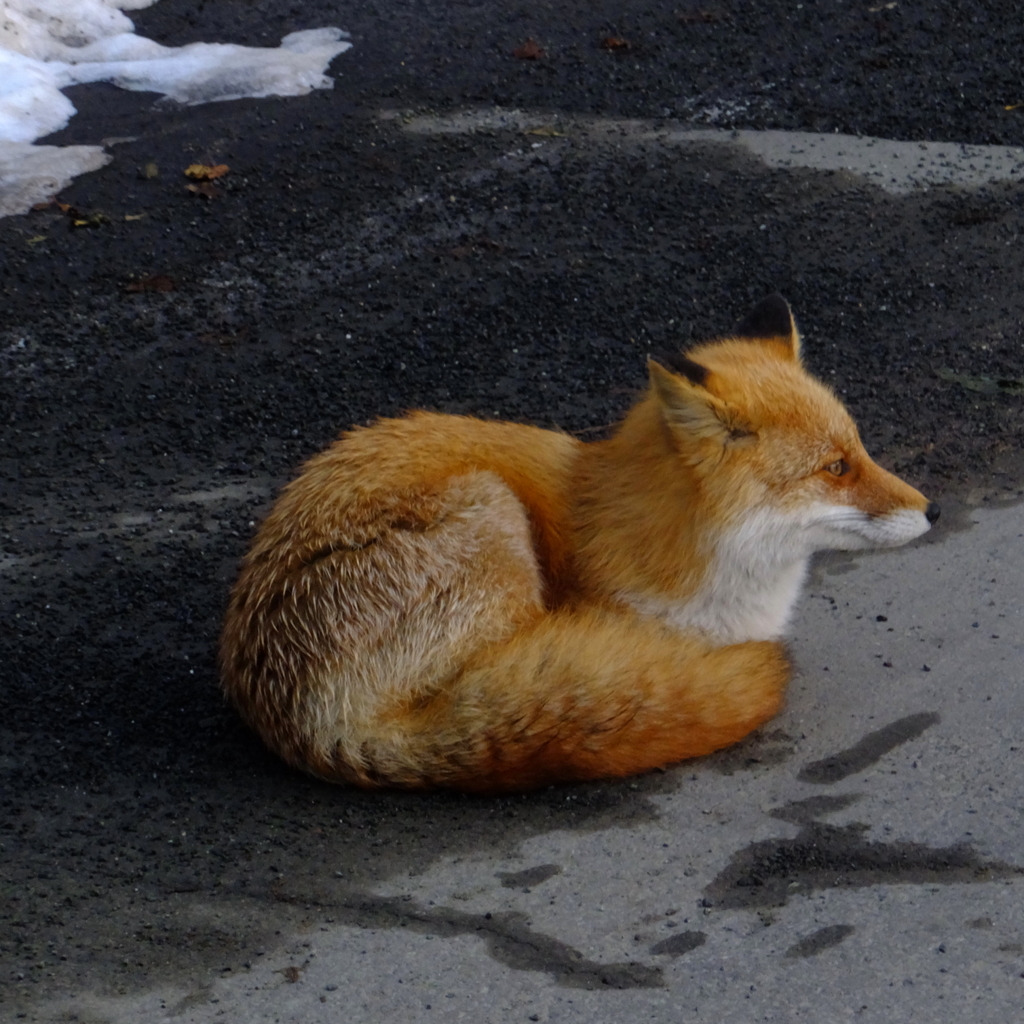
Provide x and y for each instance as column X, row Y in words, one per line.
column 439, row 601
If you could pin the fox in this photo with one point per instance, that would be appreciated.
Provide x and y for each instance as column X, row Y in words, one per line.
column 445, row 602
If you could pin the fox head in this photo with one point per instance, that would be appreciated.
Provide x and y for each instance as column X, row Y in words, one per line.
column 768, row 444
column 705, row 507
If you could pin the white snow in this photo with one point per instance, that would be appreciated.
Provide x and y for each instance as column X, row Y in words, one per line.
column 47, row 45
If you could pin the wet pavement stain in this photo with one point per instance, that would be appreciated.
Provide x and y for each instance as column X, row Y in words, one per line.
column 803, row 812
column 868, row 750
column 819, row 941
column 528, row 877
column 677, row 945
column 760, row 750
column 823, row 856
column 507, row 935
column 144, row 915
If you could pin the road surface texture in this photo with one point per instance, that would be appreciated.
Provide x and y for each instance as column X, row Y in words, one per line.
column 456, row 228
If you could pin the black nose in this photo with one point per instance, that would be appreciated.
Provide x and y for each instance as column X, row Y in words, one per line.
column 931, row 513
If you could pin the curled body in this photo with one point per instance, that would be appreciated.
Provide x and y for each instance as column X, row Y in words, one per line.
column 442, row 601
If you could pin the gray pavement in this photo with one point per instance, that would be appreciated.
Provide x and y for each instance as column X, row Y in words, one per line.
column 858, row 860
column 895, row 167
column 457, row 229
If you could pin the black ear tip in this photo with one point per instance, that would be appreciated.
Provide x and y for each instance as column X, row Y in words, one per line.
column 775, row 301
column 678, row 363
column 770, row 318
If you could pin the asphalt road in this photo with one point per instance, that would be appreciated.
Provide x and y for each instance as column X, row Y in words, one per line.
column 165, row 370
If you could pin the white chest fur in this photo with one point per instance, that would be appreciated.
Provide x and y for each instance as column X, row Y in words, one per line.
column 751, row 584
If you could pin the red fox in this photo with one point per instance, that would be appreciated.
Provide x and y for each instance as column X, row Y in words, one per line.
column 441, row 601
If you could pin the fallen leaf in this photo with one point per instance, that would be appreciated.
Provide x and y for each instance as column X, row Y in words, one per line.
column 226, row 337
column 702, row 17
column 1011, row 106
column 134, row 216
column 547, row 130
column 291, row 974
column 473, row 245
column 78, row 218
column 204, row 189
column 204, row 172
column 88, row 220
column 615, row 44
column 530, row 50
column 982, row 385
column 155, row 283
column 149, row 170
column 37, row 239
column 63, row 207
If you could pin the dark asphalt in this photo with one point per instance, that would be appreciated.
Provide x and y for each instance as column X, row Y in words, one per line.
column 348, row 269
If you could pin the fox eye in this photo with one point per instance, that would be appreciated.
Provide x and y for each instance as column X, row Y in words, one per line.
column 838, row 468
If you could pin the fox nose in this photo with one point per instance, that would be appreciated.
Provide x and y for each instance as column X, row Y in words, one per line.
column 931, row 513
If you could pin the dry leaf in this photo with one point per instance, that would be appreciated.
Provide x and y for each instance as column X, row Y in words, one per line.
column 204, row 172
column 87, row 220
column 149, row 170
column 615, row 44
column 226, row 337
column 78, row 218
column 1011, row 106
column 134, row 216
column 530, row 50
column 204, row 189
column 547, row 130
column 702, row 17
column 37, row 239
column 155, row 283
column 63, row 207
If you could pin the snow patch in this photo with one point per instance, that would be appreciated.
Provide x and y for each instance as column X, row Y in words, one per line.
column 47, row 45
column 31, row 174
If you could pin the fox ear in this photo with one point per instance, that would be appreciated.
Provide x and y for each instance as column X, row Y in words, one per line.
column 771, row 320
column 687, row 405
column 678, row 363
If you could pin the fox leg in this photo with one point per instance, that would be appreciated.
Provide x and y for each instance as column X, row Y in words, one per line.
column 586, row 694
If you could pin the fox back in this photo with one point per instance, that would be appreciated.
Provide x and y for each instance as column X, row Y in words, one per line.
column 444, row 601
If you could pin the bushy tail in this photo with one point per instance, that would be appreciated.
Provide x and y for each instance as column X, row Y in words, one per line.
column 579, row 694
